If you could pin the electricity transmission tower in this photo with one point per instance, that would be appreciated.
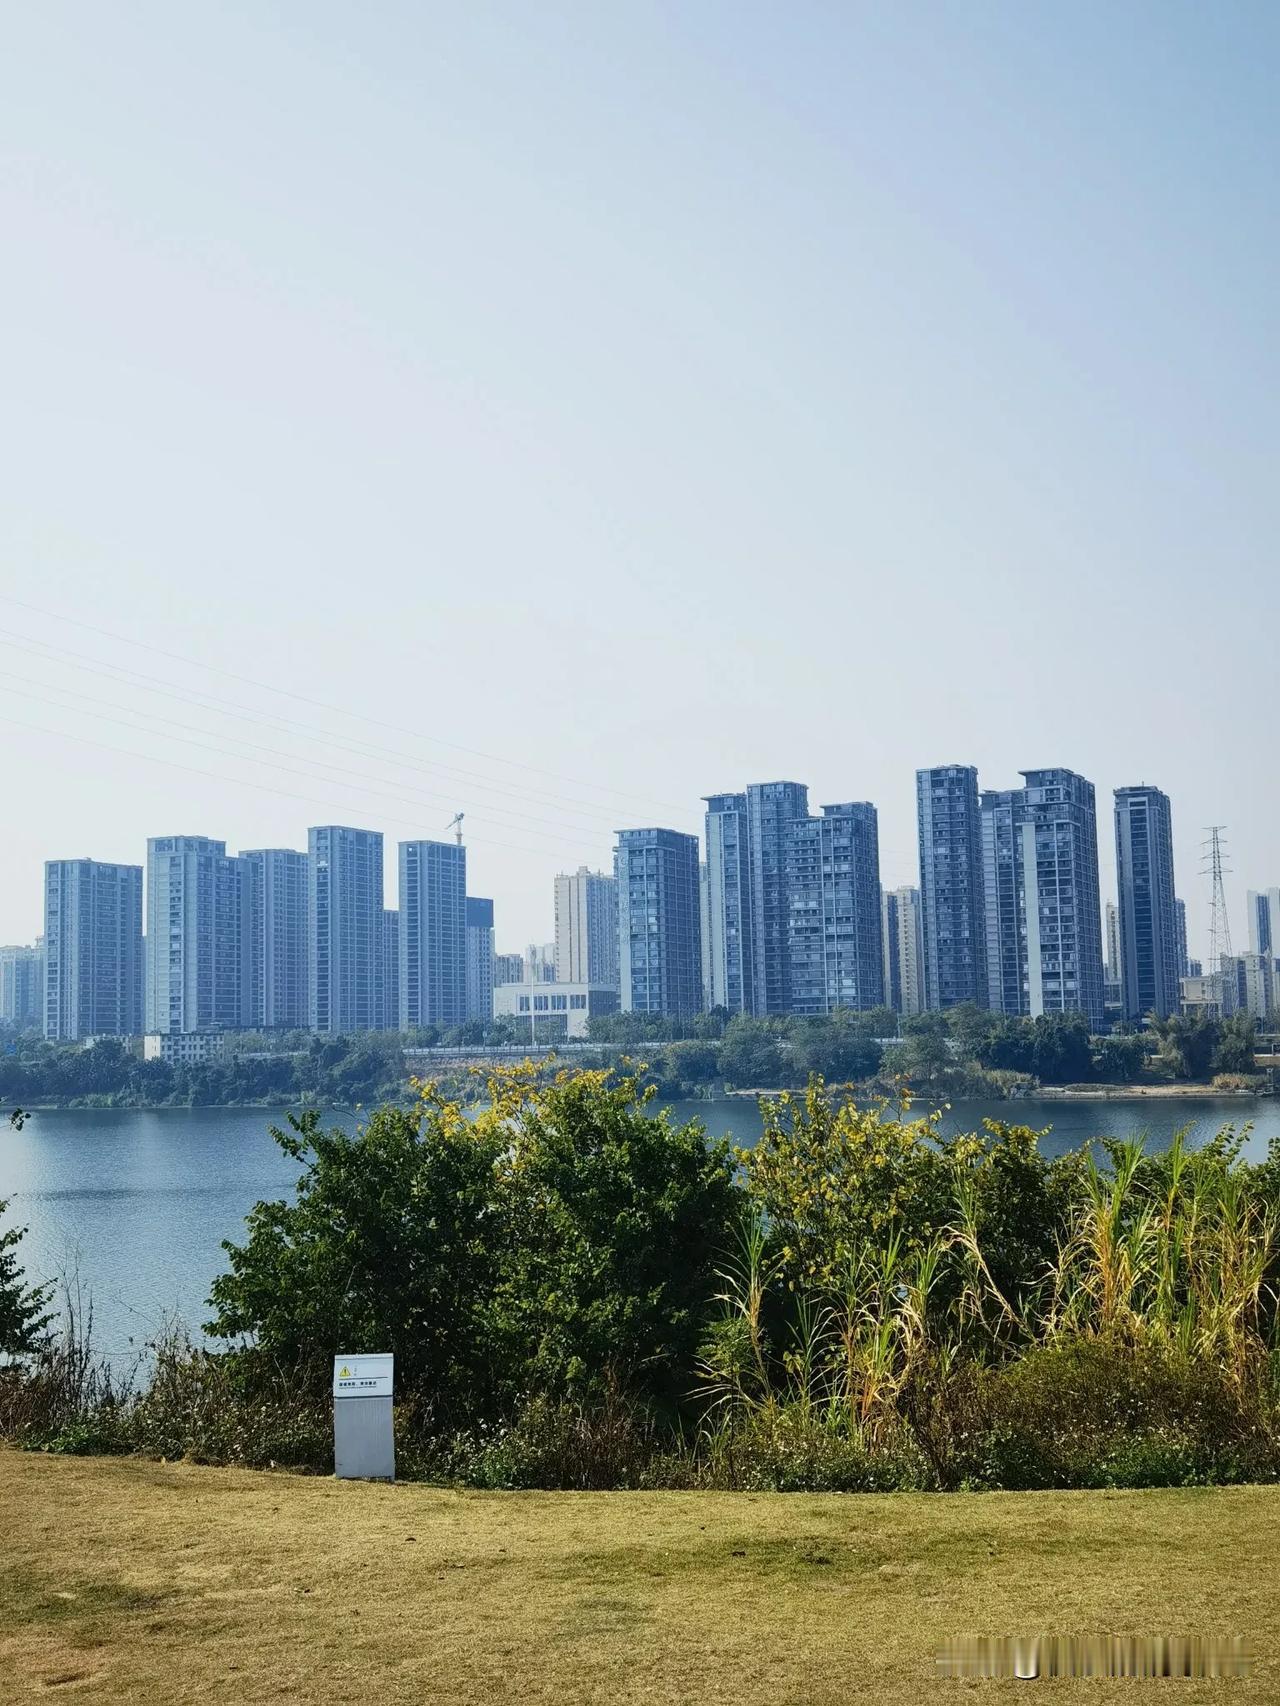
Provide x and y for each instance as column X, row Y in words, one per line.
column 1219, row 927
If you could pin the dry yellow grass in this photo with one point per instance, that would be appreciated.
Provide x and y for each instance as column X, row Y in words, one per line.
column 127, row 1580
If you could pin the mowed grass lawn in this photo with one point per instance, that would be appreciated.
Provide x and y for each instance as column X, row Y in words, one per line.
column 128, row 1580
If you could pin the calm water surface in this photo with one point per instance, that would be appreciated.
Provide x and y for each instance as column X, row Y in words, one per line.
column 137, row 1203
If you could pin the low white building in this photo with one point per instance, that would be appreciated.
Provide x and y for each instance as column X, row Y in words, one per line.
column 1210, row 995
column 553, row 1010
column 182, row 1048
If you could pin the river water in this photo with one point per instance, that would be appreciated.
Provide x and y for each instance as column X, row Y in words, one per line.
column 135, row 1203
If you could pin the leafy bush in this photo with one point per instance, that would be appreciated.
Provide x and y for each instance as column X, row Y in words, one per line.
column 560, row 1239
column 610, row 1442
column 789, row 1449
column 750, row 1055
column 1098, row 1413
column 389, row 1242
column 24, row 1314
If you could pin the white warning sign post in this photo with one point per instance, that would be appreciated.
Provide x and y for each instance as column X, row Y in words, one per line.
column 363, row 1430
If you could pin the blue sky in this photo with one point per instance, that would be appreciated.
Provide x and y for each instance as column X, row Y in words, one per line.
column 560, row 412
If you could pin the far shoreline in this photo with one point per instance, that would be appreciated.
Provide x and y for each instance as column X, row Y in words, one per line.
column 1051, row 1093
column 1045, row 1093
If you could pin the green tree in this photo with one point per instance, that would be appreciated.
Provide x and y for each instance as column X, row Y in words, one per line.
column 972, row 1029
column 749, row 1055
column 1185, row 1044
column 838, row 1049
column 924, row 1057
column 562, row 1237
column 835, row 1184
column 1118, row 1059
column 677, row 1066
column 631, row 1030
column 1237, row 1043
column 1060, row 1052
column 24, row 1314
column 387, row 1245
column 613, row 1218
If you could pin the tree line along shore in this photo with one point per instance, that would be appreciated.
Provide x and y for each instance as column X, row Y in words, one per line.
column 966, row 1053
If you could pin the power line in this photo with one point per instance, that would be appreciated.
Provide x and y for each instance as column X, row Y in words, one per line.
column 254, row 746
column 303, row 699
column 243, row 782
column 242, row 713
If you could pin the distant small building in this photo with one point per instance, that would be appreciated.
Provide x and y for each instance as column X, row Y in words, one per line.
column 182, row 1048
column 1202, row 996
column 508, row 968
column 554, row 1012
column 540, row 962
column 1215, row 995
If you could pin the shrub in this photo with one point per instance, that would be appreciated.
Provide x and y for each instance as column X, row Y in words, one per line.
column 388, row 1243
column 609, row 1217
column 24, row 1312
column 789, row 1449
column 1100, row 1413
column 607, row 1443
column 558, row 1240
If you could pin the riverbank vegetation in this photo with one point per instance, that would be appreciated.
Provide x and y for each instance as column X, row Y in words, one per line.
column 966, row 1053
column 582, row 1292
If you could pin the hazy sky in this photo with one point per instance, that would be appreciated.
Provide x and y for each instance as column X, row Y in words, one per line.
column 560, row 412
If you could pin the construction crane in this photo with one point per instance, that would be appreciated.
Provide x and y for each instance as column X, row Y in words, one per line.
column 455, row 824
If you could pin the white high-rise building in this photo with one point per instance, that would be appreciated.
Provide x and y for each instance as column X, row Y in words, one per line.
column 22, row 986
column 390, row 971
column 507, row 968
column 93, row 950
column 198, row 961
column 1257, row 984
column 659, row 922
column 433, row 933
column 586, row 947
column 747, row 945
column 276, row 928
column 344, row 929
column 1180, row 935
column 1043, row 918
column 1264, row 921
column 833, row 879
column 902, row 923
